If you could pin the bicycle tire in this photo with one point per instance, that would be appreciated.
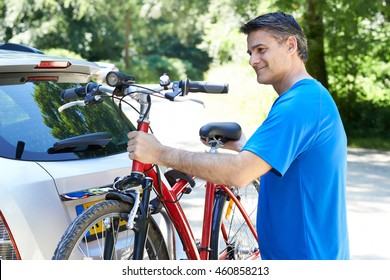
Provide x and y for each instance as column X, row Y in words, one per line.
column 84, row 240
column 240, row 243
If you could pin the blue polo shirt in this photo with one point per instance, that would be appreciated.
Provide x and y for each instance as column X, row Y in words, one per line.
column 302, row 200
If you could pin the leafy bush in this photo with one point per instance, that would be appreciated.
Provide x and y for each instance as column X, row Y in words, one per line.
column 63, row 53
column 149, row 69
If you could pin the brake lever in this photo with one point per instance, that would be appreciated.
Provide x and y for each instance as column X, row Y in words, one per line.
column 176, row 91
column 88, row 101
column 186, row 98
column 91, row 98
column 71, row 104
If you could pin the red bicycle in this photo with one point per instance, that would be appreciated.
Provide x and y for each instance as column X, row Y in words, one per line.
column 141, row 217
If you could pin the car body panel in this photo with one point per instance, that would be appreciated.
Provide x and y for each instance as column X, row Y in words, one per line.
column 37, row 197
column 39, row 218
column 74, row 175
column 33, row 226
column 16, row 67
column 28, row 62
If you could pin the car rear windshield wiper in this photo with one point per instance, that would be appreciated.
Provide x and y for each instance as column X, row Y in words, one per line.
column 92, row 141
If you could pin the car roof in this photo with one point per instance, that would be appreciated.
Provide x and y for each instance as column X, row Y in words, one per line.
column 20, row 66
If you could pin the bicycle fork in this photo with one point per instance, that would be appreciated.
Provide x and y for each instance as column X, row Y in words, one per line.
column 139, row 216
column 140, row 222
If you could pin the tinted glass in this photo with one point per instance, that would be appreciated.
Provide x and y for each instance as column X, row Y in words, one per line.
column 30, row 123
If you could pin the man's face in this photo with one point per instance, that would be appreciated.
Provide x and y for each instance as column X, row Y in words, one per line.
column 270, row 59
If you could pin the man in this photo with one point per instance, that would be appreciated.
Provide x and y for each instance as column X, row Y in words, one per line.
column 299, row 151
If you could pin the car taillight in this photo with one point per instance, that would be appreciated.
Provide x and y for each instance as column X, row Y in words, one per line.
column 8, row 249
column 53, row 64
column 42, row 79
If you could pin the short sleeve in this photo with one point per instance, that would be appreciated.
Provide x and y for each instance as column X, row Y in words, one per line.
column 289, row 129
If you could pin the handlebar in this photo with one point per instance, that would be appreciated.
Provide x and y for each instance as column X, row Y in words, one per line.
column 185, row 86
column 76, row 93
column 208, row 87
column 122, row 85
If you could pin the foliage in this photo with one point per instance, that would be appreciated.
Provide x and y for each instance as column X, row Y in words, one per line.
column 152, row 67
column 97, row 30
column 80, row 26
column 355, row 40
column 358, row 65
column 62, row 53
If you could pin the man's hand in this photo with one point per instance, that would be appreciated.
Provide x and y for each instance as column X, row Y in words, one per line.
column 236, row 145
column 143, row 147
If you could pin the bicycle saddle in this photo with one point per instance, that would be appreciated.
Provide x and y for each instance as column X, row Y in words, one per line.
column 221, row 131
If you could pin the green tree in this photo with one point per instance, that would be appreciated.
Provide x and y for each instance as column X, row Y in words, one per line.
column 348, row 53
column 359, row 65
column 171, row 34
column 127, row 31
column 81, row 26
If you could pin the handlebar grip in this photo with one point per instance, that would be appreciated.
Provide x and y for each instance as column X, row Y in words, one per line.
column 208, row 87
column 80, row 92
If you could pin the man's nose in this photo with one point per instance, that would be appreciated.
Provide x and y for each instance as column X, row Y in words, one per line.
column 254, row 60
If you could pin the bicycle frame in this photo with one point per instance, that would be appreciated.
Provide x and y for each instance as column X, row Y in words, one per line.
column 169, row 198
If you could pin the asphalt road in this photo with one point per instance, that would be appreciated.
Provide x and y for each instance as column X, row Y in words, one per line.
column 368, row 194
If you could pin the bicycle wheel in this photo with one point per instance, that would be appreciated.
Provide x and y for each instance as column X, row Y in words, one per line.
column 231, row 237
column 100, row 233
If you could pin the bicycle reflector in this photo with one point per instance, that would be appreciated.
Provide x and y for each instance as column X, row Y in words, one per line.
column 115, row 78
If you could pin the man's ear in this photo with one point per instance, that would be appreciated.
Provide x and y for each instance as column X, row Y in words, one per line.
column 292, row 43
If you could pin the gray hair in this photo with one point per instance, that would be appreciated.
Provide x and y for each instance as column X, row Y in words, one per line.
column 281, row 25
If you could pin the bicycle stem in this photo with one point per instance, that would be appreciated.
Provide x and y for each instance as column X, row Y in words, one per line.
column 143, row 125
column 138, row 167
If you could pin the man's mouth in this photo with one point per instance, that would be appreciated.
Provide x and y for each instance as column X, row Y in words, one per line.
column 257, row 69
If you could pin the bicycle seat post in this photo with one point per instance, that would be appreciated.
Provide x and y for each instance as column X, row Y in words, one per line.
column 214, row 144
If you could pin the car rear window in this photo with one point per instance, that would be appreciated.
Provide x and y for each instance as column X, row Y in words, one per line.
column 30, row 123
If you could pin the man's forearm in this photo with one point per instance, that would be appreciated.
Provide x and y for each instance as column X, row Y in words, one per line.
column 217, row 168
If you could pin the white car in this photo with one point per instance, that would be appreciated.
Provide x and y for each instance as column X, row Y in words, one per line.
column 105, row 68
column 52, row 165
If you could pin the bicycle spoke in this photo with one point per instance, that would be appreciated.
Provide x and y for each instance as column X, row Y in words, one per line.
column 237, row 240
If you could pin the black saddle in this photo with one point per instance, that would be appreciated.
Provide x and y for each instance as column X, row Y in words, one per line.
column 221, row 131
